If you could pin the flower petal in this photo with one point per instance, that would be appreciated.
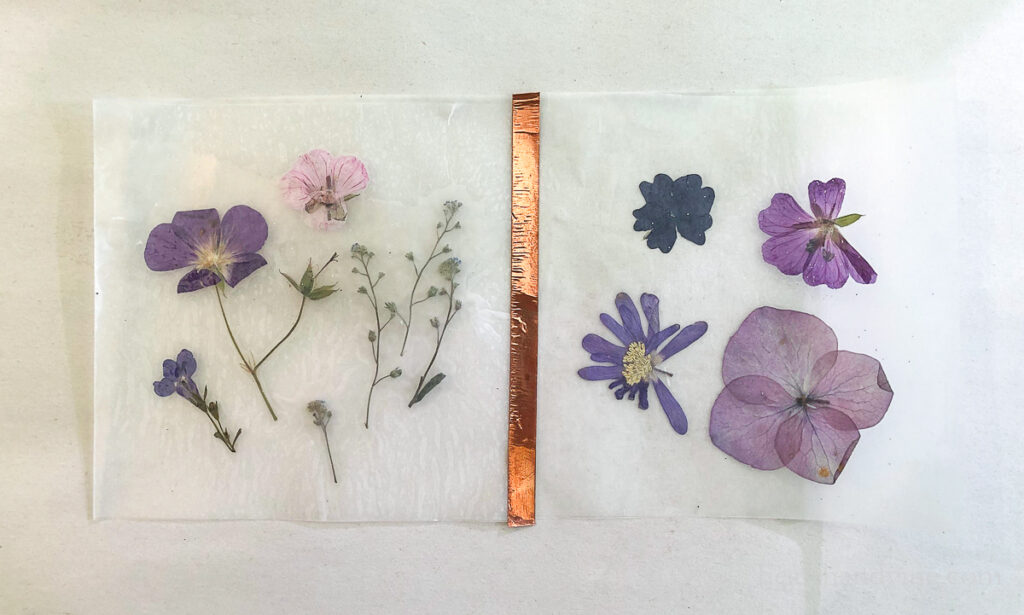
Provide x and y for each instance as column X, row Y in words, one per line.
column 242, row 267
column 165, row 387
column 630, row 317
column 186, row 362
column 644, row 403
column 168, row 248
column 689, row 335
column 200, row 226
column 816, row 444
column 618, row 330
column 595, row 344
column 674, row 412
column 788, row 251
column 197, row 279
column 782, row 215
column 746, row 417
column 827, row 266
column 243, row 230
column 601, row 372
column 170, row 368
column 659, row 338
column 307, row 175
column 859, row 268
column 783, row 345
column 650, row 304
column 827, row 198
column 856, row 386
column 350, row 175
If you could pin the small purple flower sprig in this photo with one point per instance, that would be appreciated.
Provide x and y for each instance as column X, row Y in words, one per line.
column 363, row 256
column 448, row 269
column 178, row 379
column 223, row 252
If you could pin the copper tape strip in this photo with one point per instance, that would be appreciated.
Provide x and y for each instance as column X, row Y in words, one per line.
column 522, row 402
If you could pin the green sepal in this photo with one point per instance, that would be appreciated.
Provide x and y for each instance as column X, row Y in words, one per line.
column 306, row 285
column 428, row 387
column 848, row 219
column 322, row 291
column 294, row 284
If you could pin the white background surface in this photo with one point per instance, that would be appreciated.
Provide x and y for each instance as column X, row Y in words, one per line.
column 54, row 58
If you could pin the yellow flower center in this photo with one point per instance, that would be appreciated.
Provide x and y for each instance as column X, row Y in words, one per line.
column 636, row 365
column 213, row 258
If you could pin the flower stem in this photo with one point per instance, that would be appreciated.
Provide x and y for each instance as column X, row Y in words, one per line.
column 440, row 336
column 295, row 324
column 434, row 253
column 329, row 456
column 249, row 367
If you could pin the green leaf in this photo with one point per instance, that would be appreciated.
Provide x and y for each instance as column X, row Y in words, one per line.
column 294, row 284
column 306, row 285
column 428, row 387
column 848, row 219
column 322, row 291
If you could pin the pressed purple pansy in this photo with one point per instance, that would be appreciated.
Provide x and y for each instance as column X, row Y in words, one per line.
column 792, row 398
column 635, row 364
column 813, row 245
column 212, row 247
column 320, row 184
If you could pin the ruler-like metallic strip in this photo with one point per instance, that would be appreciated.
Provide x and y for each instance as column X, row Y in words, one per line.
column 522, row 403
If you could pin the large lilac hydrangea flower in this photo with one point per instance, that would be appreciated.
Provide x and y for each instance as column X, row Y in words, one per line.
column 792, row 398
column 212, row 247
column 813, row 245
column 634, row 365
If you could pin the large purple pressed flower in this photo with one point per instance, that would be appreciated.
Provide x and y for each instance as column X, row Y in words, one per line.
column 634, row 364
column 813, row 245
column 792, row 398
column 212, row 247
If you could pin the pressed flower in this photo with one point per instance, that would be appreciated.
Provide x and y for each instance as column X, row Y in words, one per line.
column 792, row 398
column 320, row 184
column 215, row 249
column 178, row 379
column 812, row 244
column 674, row 206
column 321, row 417
column 635, row 364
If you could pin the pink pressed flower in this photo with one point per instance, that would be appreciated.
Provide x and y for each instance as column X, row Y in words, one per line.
column 792, row 398
column 320, row 184
column 812, row 244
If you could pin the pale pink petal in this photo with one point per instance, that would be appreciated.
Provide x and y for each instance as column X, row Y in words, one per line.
column 350, row 175
column 307, row 176
column 855, row 385
column 746, row 417
column 783, row 345
column 817, row 443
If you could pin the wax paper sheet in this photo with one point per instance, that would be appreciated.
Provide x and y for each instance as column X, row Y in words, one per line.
column 444, row 458
column 600, row 457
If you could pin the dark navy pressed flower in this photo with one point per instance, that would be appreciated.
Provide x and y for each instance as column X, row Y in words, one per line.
column 178, row 379
column 674, row 206
column 634, row 365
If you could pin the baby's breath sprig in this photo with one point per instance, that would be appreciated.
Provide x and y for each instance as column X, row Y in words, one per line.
column 449, row 268
column 451, row 208
column 363, row 256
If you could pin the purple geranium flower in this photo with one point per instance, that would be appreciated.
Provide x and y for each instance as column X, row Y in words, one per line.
column 792, row 398
column 215, row 249
column 813, row 245
column 634, row 365
column 178, row 378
